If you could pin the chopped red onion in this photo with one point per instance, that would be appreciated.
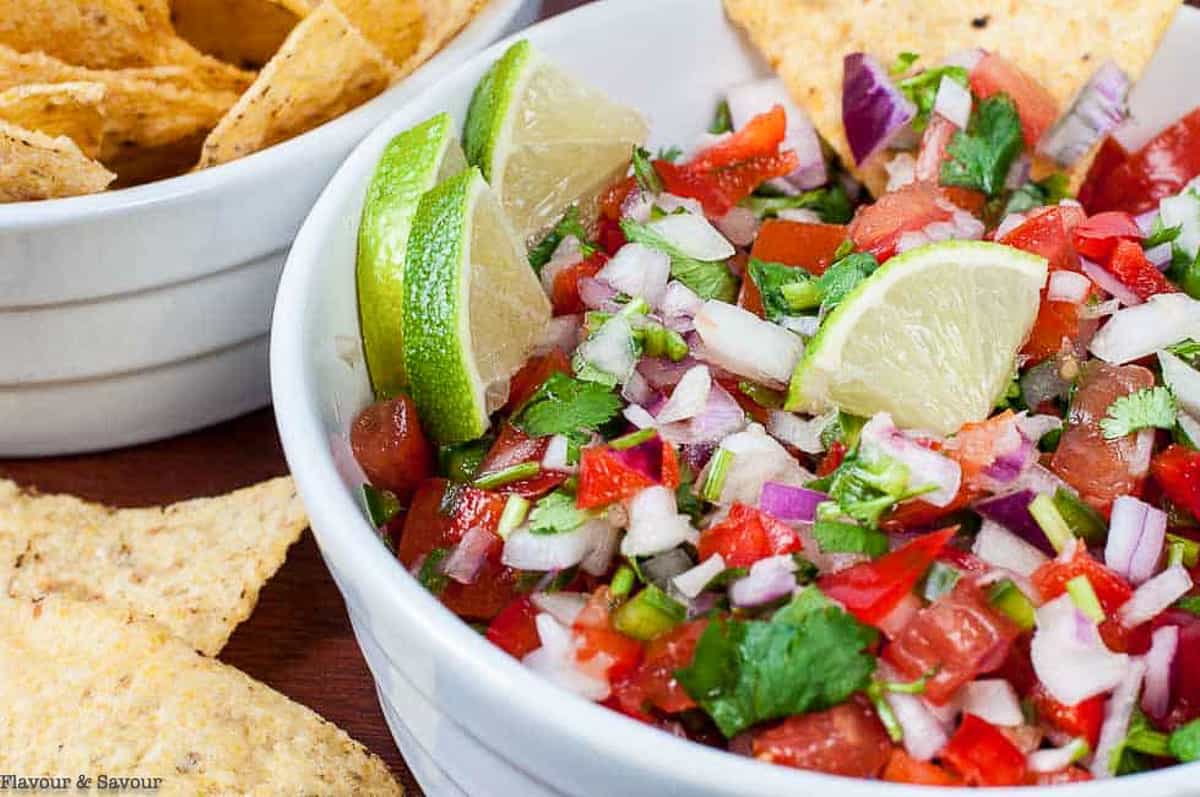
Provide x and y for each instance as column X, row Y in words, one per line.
column 1035, row 427
column 671, row 203
column 599, row 560
column 768, row 579
column 638, row 206
column 1155, row 596
column 1012, row 512
column 1068, row 655
column 692, row 582
column 1139, row 461
column 1042, row 481
column 562, row 606
column 998, row 546
column 926, row 468
column 468, row 556
column 796, row 432
column 637, row 270
column 1018, row 172
column 637, row 390
column 1109, row 283
column 1096, row 110
column 1159, row 256
column 788, row 502
column 645, row 458
column 662, row 373
column 750, row 99
column 1117, row 714
column 874, row 111
column 1145, row 221
column 1068, row 286
column 953, row 101
column 639, row 416
column 722, row 415
column 739, row 225
column 654, row 523
column 746, row 345
column 1009, row 223
column 1135, row 538
column 1057, row 758
column 994, row 700
column 561, row 332
column 689, row 398
column 1156, row 698
column 694, row 236
column 1007, row 467
column 596, row 293
column 1136, row 332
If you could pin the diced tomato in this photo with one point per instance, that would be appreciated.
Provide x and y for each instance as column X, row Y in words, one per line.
column 1036, row 106
column 533, row 374
column 833, row 458
column 934, row 141
column 1128, row 263
column 1051, row 579
column 610, row 236
column 963, row 560
column 1082, row 720
column 1099, row 468
column 1177, row 471
column 1096, row 237
column 977, row 444
column 669, row 477
column 872, row 589
column 595, row 636
column 514, row 630
column 653, row 684
column 1135, row 182
column 845, row 740
column 877, row 227
column 915, row 514
column 1017, row 668
column 903, row 768
column 983, row 755
column 390, row 446
column 614, row 197
column 1071, row 774
column 747, row 535
column 762, row 135
column 959, row 636
column 564, row 292
column 514, row 447
column 605, row 479
column 719, row 189
column 806, row 245
column 1185, row 687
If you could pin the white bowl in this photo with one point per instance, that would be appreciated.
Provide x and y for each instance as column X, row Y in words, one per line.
column 141, row 313
column 470, row 719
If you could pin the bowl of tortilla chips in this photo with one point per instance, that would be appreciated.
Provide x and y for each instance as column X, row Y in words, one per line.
column 469, row 718
column 156, row 159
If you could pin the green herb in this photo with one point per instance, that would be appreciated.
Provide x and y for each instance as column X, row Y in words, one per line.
column 865, row 490
column 831, row 204
column 513, row 473
column 516, row 509
column 903, row 63
column 721, row 122
column 1186, row 349
column 556, row 513
column 1011, row 397
column 922, row 89
column 1049, row 191
column 844, row 429
column 1161, row 235
column 430, row 575
column 883, row 709
column 1184, row 271
column 569, row 224
column 563, row 405
column 1081, row 519
column 643, row 171
column 806, row 570
column 669, row 154
column 381, row 505
column 460, row 462
column 1143, row 738
column 808, row 657
column 632, row 439
column 980, row 157
column 714, row 480
column 726, row 577
column 1189, row 604
column 762, row 396
column 657, row 340
column 843, row 276
column 770, row 279
column 835, row 536
column 651, row 613
column 708, row 279
column 686, row 500
column 1148, row 408
column 940, row 579
column 1184, row 743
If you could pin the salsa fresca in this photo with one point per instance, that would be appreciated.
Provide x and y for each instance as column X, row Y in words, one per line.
column 650, row 522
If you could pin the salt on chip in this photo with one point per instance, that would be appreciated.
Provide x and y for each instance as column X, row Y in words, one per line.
column 34, row 166
column 58, row 109
column 196, row 567
column 324, row 68
column 90, row 689
column 1058, row 44
column 245, row 33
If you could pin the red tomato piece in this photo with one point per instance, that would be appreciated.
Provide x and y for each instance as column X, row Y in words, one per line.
column 1081, row 720
column 872, row 589
column 1159, row 169
column 514, row 447
column 1051, row 579
column 564, row 291
column 806, row 245
column 877, row 227
column 610, row 236
column 653, row 684
column 614, row 197
column 1110, row 155
column 762, row 135
column 983, row 755
column 915, row 514
column 737, row 181
column 845, row 740
column 1099, row 468
column 680, row 180
column 903, row 768
column 390, row 446
column 934, row 141
column 833, row 458
column 959, row 635
column 595, row 636
column 605, row 479
column 533, row 374
column 1128, row 263
column 1177, row 471
column 670, row 477
column 1036, row 106
column 747, row 535
column 1096, row 237
column 514, row 630
column 1185, row 687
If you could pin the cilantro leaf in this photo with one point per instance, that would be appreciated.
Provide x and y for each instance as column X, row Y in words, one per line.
column 843, row 276
column 1184, row 742
column 722, row 121
column 807, row 658
column 1189, row 604
column 770, row 278
column 1150, row 407
column 430, row 575
column 563, row 405
column 708, row 279
column 922, row 89
column 569, row 224
column 864, row 490
column 669, row 154
column 556, row 513
column 1184, row 271
column 832, row 204
column 644, row 172
column 902, row 64
column 981, row 156
column 1161, row 235
column 1049, row 191
column 834, row 536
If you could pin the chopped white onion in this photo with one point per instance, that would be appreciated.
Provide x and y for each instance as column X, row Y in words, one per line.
column 692, row 582
column 961, row 226
column 599, row 559
column 555, row 457
column 741, row 342
column 924, row 731
column 1117, row 714
column 803, row 325
column 680, row 300
column 994, row 700
column 562, row 606
column 525, row 550
column 1139, row 460
column 654, row 523
column 671, row 203
column 1068, row 286
column 1069, row 656
column 769, row 579
column 637, row 390
column 568, row 252
column 799, row 433
column 560, row 332
column 1009, row 223
column 1136, row 536
column 638, row 270
column 926, row 468
column 694, row 236
column 611, row 348
column 1109, row 283
column 1160, row 256
column 998, row 546
column 1096, row 110
column 1184, row 381
column 463, row 563
column 1156, row 698
column 750, row 99
column 739, row 225
column 689, row 397
column 1183, row 210
column 953, row 101
column 1035, row 427
column 1100, row 309
column 1058, row 758
column 555, row 661
column 1137, row 332
column 722, row 415
column 901, row 170
column 1154, row 596
column 801, row 215
column 639, row 416
column 757, row 459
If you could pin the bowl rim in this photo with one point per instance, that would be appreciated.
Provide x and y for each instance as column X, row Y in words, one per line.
column 345, row 537
column 480, row 30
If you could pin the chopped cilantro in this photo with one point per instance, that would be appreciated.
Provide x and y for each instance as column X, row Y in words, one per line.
column 902, row 64
column 770, row 278
column 835, row 536
column 922, row 89
column 1184, row 742
column 1148, row 408
column 381, row 505
column 1189, row 604
column 981, row 156
column 1049, row 191
column 644, row 172
column 844, row 429
column 1184, row 271
column 787, row 290
column 722, row 121
column 430, row 575
column 1187, row 349
column 556, row 513
column 563, row 405
column 669, row 154
column 865, row 490
column 830, row 203
column 843, row 276
column 810, row 656
column 686, row 500
column 569, row 224
column 708, row 279
column 1161, row 235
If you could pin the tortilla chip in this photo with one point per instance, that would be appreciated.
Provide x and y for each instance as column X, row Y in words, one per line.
column 34, row 165
column 138, row 165
column 58, row 109
column 301, row 8
column 245, row 33
column 394, row 26
column 324, row 69
column 108, row 34
column 196, row 567
column 1058, row 44
column 441, row 21
column 89, row 689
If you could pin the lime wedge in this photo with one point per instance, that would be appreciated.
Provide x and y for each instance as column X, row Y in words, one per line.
column 931, row 337
column 473, row 308
column 544, row 140
column 412, row 163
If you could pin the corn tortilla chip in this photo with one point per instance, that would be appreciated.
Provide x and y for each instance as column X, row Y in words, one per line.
column 441, row 21
column 34, row 165
column 17, row 69
column 245, row 33
column 58, row 109
column 300, row 8
column 196, row 566
column 138, row 165
column 324, row 68
column 1058, row 42
column 394, row 26
column 90, row 689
